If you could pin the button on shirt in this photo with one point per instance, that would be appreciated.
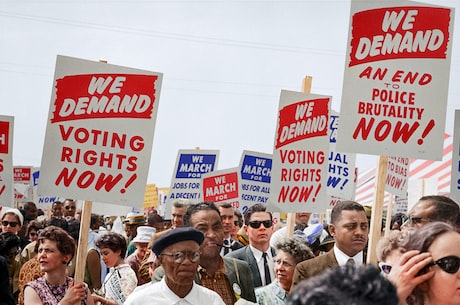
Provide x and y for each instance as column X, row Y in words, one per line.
column 342, row 258
column 260, row 263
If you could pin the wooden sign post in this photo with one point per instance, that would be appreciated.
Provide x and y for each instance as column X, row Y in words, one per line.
column 290, row 222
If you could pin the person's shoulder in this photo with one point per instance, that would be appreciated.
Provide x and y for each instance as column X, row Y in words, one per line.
column 143, row 294
column 240, row 253
column 210, row 295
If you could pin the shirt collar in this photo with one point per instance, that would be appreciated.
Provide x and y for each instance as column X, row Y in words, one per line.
column 258, row 254
column 342, row 258
column 191, row 297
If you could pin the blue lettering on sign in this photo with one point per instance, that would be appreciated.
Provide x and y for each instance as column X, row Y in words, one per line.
column 35, row 177
column 256, row 169
column 334, row 124
column 194, row 165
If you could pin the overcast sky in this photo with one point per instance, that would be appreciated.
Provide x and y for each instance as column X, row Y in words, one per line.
column 224, row 64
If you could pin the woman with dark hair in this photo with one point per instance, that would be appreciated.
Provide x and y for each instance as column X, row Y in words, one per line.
column 55, row 249
column 442, row 287
column 121, row 280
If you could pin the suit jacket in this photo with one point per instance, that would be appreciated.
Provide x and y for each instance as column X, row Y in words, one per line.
column 246, row 255
column 314, row 266
column 236, row 272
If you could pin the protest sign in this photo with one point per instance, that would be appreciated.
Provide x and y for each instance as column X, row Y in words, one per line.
column 397, row 178
column 99, row 132
column 396, row 79
column 341, row 181
column 23, row 184
column 300, row 167
column 6, row 161
column 221, row 186
column 191, row 165
column 254, row 176
column 455, row 176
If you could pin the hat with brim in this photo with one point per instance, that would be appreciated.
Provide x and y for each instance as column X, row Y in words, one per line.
column 175, row 236
column 136, row 219
column 144, row 234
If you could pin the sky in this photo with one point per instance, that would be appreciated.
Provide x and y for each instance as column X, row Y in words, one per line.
column 224, row 64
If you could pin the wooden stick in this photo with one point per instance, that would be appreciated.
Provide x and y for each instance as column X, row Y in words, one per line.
column 290, row 222
column 377, row 209
column 83, row 242
column 389, row 213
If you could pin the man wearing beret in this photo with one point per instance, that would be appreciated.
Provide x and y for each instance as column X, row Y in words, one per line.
column 178, row 252
column 229, row 277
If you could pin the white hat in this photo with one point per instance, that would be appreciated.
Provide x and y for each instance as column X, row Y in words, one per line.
column 18, row 213
column 144, row 234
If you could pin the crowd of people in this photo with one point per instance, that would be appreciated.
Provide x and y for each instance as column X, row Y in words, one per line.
column 211, row 253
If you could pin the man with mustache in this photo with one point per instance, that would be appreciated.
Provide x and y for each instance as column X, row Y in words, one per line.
column 350, row 228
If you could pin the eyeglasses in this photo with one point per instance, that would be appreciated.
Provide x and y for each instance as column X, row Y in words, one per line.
column 70, row 208
column 449, row 264
column 386, row 268
column 179, row 257
column 285, row 264
column 256, row 223
column 412, row 220
column 12, row 224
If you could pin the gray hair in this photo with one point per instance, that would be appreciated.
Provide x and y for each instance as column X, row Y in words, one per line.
column 296, row 247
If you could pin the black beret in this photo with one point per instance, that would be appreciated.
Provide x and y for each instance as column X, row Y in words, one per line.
column 175, row 236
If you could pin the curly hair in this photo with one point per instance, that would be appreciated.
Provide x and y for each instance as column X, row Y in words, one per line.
column 113, row 241
column 64, row 242
column 296, row 247
column 357, row 285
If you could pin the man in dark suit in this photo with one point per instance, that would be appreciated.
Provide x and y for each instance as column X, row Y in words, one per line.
column 228, row 221
column 350, row 228
column 230, row 278
column 258, row 225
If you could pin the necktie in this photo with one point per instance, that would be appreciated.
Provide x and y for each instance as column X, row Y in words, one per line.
column 268, row 279
column 351, row 262
column 226, row 246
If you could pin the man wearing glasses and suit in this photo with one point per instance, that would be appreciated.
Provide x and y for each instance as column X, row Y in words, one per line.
column 258, row 225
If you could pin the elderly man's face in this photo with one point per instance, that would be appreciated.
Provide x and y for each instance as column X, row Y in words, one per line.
column 179, row 273
column 210, row 224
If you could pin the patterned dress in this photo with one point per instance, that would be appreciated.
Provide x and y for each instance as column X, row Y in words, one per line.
column 49, row 294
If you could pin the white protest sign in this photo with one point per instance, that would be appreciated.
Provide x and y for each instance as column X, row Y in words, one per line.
column 6, row 160
column 341, row 182
column 301, row 149
column 397, row 179
column 99, row 132
column 221, row 186
column 190, row 166
column 455, row 172
column 255, row 175
column 396, row 79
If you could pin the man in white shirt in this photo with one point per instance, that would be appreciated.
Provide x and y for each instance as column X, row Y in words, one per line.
column 178, row 252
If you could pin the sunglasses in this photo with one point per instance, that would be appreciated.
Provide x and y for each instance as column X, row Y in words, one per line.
column 412, row 220
column 33, row 234
column 449, row 264
column 256, row 223
column 386, row 268
column 12, row 224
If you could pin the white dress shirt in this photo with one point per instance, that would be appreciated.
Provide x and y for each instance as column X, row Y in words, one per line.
column 342, row 258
